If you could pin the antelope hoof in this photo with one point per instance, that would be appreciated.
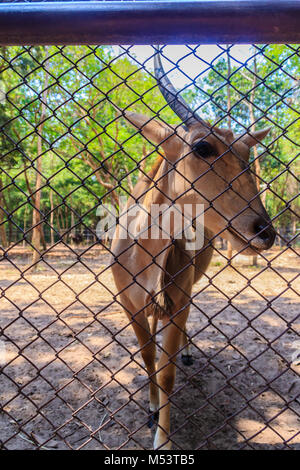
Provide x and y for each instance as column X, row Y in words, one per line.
column 187, row 359
column 153, row 418
column 160, row 442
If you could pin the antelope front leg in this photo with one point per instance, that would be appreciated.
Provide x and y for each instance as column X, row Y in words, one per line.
column 186, row 353
column 166, row 376
column 148, row 349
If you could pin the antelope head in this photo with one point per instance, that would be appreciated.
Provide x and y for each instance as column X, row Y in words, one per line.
column 210, row 166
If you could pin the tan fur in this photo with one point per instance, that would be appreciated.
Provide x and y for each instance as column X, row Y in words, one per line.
column 154, row 277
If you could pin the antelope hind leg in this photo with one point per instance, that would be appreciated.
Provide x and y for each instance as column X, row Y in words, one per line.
column 147, row 345
column 186, row 353
column 166, row 375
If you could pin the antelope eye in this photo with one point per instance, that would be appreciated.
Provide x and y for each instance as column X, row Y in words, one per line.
column 203, row 149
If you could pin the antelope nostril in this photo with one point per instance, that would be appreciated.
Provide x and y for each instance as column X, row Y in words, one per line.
column 264, row 231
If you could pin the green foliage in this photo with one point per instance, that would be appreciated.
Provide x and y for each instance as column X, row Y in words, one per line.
column 270, row 81
column 87, row 148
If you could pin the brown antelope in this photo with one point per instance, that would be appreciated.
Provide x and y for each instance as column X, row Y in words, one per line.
column 202, row 164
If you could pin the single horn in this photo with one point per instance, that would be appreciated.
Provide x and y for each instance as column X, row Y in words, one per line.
column 176, row 103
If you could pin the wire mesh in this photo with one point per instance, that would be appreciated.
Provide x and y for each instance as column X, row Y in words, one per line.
column 72, row 373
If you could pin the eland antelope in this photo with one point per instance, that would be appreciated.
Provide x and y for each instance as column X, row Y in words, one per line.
column 200, row 164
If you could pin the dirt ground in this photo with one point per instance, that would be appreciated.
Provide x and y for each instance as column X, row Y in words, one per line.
column 71, row 366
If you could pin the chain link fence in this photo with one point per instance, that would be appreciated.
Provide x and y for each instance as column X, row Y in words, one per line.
column 85, row 130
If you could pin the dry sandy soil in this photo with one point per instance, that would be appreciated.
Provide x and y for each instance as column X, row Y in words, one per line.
column 71, row 363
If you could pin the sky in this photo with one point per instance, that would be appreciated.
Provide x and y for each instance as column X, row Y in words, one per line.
column 192, row 65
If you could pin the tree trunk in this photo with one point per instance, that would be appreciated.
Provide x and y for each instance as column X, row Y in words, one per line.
column 51, row 218
column 3, row 236
column 229, row 247
column 51, row 207
column 61, row 223
column 8, row 204
column 37, row 233
column 24, row 225
column 58, row 223
column 36, row 216
column 73, row 229
column 62, row 220
column 229, row 251
column 292, row 190
column 255, row 152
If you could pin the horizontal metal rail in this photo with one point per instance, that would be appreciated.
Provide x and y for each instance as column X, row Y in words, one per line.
column 207, row 22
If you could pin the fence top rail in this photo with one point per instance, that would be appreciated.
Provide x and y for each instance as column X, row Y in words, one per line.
column 163, row 22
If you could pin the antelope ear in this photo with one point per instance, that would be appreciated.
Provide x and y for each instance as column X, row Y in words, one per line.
column 156, row 132
column 255, row 137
